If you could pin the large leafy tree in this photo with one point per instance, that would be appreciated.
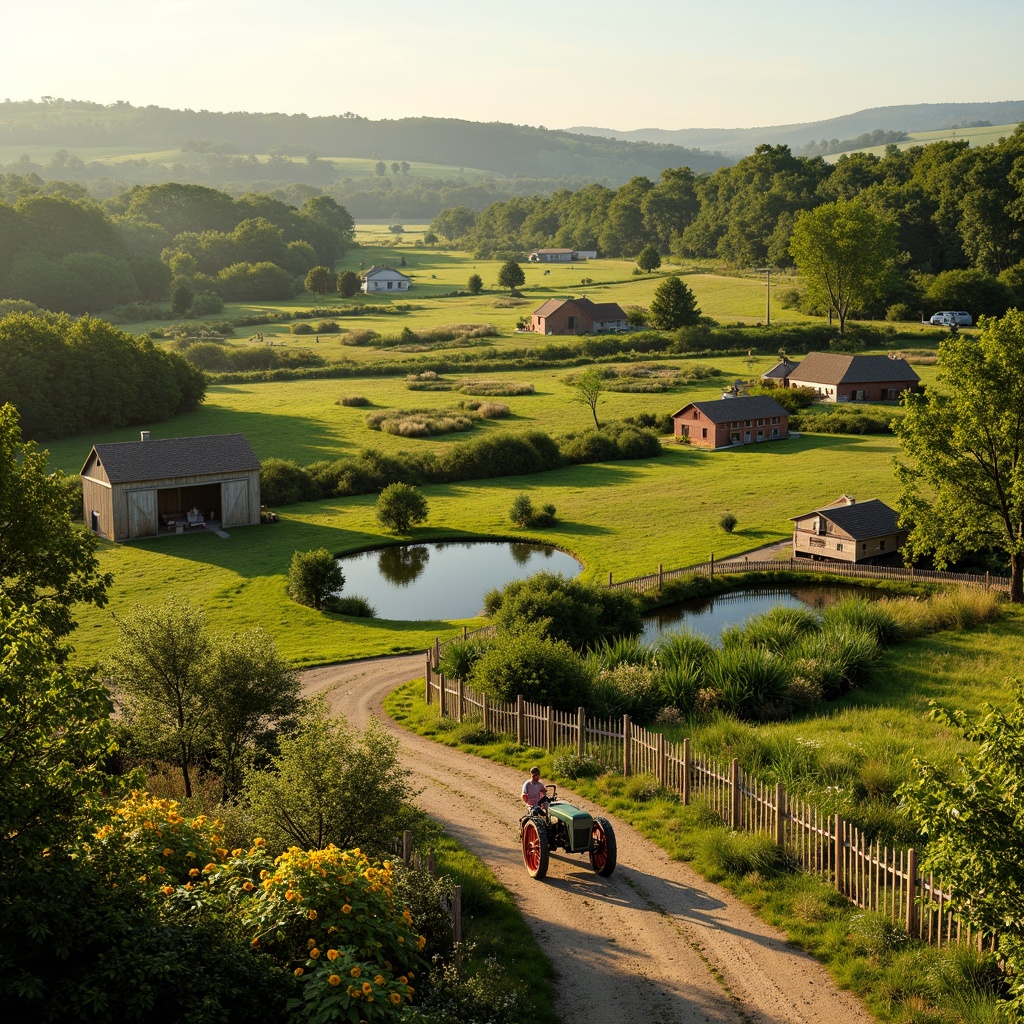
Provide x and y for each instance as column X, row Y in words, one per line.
column 401, row 506
column 972, row 818
column 963, row 483
column 674, row 305
column 511, row 275
column 47, row 561
column 846, row 253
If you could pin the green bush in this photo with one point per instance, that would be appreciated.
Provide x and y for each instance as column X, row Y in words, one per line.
column 728, row 522
column 873, row 616
column 627, row 689
column 313, row 577
column 570, row 765
column 353, row 605
column 749, row 682
column 542, row 670
column 401, row 506
column 521, row 511
column 737, row 853
column 488, row 995
column 353, row 401
column 282, row 482
column 459, row 657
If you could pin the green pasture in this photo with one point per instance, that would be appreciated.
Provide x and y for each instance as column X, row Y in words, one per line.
column 983, row 136
column 622, row 518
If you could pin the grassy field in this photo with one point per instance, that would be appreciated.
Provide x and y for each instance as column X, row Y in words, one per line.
column 985, row 136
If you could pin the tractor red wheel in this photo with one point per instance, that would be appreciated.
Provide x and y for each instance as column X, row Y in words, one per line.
column 603, row 852
column 535, row 849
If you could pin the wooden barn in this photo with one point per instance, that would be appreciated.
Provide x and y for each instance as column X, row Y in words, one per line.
column 143, row 488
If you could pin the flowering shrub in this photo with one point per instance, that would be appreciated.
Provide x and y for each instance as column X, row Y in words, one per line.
column 332, row 915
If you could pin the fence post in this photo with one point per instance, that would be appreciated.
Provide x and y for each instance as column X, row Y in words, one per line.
column 840, row 827
column 465, row 632
column 581, row 730
column 407, row 846
column 549, row 728
column 457, row 918
column 912, row 892
column 686, row 771
column 711, row 573
column 735, row 817
column 437, row 650
column 443, row 709
column 427, row 682
column 520, row 714
column 661, row 759
column 609, row 579
column 780, row 814
column 487, row 714
column 431, row 864
column 661, row 574
column 461, row 686
column 988, row 580
column 625, row 745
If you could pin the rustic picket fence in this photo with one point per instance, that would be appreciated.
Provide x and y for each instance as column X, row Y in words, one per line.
column 874, row 876
column 425, row 862
column 656, row 580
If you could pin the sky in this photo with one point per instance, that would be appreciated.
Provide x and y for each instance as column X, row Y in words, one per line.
column 621, row 64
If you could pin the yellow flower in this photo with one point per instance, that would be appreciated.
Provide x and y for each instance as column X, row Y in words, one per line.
column 237, row 852
column 404, row 980
column 193, row 872
column 298, row 972
column 259, row 842
column 263, row 874
column 289, row 895
column 379, row 979
column 162, row 870
column 311, row 914
column 314, row 953
column 310, row 943
column 354, row 993
column 346, row 909
column 167, row 890
column 332, row 955
column 334, row 979
column 248, row 886
column 367, row 988
column 355, row 972
column 168, row 852
column 406, row 916
column 421, row 942
column 210, row 867
column 396, row 998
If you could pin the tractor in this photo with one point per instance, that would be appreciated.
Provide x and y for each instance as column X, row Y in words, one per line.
column 556, row 825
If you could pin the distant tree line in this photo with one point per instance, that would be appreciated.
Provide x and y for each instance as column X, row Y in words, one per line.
column 68, row 376
column 957, row 210
column 199, row 247
column 879, row 137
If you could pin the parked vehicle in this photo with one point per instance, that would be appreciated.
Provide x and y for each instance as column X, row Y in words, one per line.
column 556, row 825
column 952, row 318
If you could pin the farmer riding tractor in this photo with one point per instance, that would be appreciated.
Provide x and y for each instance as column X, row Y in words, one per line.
column 556, row 825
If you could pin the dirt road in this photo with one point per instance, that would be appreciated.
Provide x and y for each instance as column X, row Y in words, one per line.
column 654, row 943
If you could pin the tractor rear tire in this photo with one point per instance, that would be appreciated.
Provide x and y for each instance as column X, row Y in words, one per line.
column 535, row 849
column 603, row 852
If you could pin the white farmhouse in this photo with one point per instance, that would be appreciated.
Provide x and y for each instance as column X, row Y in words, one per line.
column 385, row 279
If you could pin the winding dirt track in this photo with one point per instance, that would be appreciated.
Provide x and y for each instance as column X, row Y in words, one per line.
column 654, row 942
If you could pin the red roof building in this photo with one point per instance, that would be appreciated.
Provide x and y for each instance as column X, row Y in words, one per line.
column 577, row 316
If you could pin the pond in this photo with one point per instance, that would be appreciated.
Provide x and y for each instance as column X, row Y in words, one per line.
column 445, row 579
column 709, row 616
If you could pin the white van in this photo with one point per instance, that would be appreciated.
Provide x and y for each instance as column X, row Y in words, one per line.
column 950, row 318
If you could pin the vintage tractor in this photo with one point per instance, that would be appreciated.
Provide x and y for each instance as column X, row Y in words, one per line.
column 556, row 825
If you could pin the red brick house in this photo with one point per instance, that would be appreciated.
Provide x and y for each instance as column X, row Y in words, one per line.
column 746, row 419
column 848, row 531
column 843, row 378
column 577, row 316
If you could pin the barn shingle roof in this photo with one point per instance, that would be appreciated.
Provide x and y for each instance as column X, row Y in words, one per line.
column 837, row 368
column 862, row 520
column 134, row 461
column 595, row 310
column 745, row 407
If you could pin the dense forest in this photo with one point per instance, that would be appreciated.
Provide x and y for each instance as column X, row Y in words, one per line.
column 959, row 211
column 61, row 250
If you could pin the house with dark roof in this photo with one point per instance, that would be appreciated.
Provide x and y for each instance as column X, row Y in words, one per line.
column 837, row 377
column 142, row 488
column 553, row 256
column 849, row 531
column 745, row 419
column 577, row 316
column 385, row 279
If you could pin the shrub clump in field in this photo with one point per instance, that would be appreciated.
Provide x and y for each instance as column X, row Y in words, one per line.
column 488, row 410
column 523, row 513
column 353, row 605
column 353, row 401
column 728, row 522
column 496, row 388
column 314, row 577
column 570, row 765
column 419, row 422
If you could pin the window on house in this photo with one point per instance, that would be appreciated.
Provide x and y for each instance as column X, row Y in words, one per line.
column 864, row 547
column 696, row 415
column 881, row 545
column 839, row 547
column 746, row 423
column 704, row 432
column 775, row 431
column 572, row 322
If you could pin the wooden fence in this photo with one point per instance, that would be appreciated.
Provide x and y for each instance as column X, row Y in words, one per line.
column 873, row 876
column 412, row 858
column 655, row 580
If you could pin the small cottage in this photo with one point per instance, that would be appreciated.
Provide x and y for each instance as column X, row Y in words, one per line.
column 745, row 419
column 577, row 316
column 849, row 531
column 143, row 488
column 385, row 279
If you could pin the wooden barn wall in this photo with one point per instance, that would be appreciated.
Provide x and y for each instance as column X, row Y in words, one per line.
column 96, row 497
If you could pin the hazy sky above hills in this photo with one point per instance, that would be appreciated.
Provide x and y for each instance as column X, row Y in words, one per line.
column 608, row 63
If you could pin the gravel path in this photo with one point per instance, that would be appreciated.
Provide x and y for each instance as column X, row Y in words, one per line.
column 654, row 942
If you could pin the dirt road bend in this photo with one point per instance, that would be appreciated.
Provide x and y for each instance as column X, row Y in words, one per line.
column 655, row 942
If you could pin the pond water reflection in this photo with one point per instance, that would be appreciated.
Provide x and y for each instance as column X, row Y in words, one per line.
column 445, row 579
column 709, row 616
